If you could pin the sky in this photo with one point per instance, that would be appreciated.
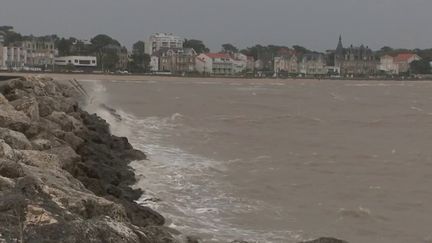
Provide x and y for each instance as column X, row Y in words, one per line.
column 315, row 24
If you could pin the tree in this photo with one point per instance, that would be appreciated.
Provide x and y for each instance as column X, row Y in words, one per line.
column 229, row 48
column 110, row 59
column 197, row 45
column 140, row 60
column 301, row 49
column 103, row 46
column 64, row 46
column 420, row 67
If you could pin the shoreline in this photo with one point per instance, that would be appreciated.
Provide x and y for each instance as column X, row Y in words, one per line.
column 143, row 77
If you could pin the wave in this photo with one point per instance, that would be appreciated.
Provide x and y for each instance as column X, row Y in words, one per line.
column 188, row 189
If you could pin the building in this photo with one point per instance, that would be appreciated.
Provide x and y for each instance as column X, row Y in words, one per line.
column 398, row 64
column 240, row 62
column 388, row 65
column 163, row 40
column 13, row 57
column 287, row 63
column 2, row 37
column 215, row 64
column 77, row 61
column 313, row 64
column 177, row 60
column 403, row 61
column 154, row 63
column 355, row 61
column 41, row 51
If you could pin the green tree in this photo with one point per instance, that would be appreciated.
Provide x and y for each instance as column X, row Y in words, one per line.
column 64, row 46
column 140, row 60
column 420, row 67
column 103, row 47
column 301, row 49
column 110, row 59
column 197, row 45
column 229, row 48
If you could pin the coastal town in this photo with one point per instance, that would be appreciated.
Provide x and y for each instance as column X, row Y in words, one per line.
column 170, row 54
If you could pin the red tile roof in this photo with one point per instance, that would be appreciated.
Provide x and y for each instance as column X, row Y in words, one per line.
column 404, row 57
column 218, row 55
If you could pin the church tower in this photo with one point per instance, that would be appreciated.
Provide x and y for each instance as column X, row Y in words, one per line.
column 339, row 53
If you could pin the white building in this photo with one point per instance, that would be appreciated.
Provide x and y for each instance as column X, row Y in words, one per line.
column 388, row 65
column 240, row 62
column 13, row 57
column 77, row 61
column 397, row 64
column 215, row 63
column 41, row 51
column 154, row 63
column 163, row 40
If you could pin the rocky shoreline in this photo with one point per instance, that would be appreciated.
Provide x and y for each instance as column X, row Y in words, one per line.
column 64, row 177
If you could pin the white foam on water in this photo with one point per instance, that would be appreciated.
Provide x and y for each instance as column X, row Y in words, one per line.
column 188, row 189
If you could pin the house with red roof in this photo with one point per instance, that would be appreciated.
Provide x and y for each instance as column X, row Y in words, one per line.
column 397, row 64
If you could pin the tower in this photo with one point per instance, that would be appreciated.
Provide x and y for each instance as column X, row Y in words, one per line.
column 339, row 53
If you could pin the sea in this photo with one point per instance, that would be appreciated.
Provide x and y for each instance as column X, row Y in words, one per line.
column 279, row 160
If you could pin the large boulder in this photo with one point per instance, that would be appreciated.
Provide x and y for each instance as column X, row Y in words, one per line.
column 48, row 104
column 15, row 139
column 11, row 118
column 29, row 106
column 10, row 169
column 66, row 122
column 7, row 152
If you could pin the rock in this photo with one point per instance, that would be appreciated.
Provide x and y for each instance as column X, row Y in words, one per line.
column 74, row 141
column 102, row 230
column 40, row 159
column 10, row 169
column 29, row 106
column 7, row 152
column 11, row 118
column 9, row 201
column 15, row 139
column 66, row 122
column 63, row 176
column 67, row 156
column 36, row 215
column 48, row 104
column 142, row 216
column 41, row 144
column 326, row 240
column 6, row 183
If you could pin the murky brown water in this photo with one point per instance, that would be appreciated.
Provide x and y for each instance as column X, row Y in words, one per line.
column 281, row 161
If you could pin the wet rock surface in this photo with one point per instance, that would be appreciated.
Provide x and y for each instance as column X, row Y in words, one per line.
column 64, row 177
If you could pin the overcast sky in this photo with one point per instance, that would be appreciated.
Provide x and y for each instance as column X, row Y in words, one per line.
column 315, row 24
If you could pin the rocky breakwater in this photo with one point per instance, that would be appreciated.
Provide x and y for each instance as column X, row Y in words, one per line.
column 63, row 176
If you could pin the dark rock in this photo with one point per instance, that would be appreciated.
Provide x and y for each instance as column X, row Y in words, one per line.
column 325, row 240
column 10, row 169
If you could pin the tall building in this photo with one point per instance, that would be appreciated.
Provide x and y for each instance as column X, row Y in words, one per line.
column 163, row 40
column 355, row 61
column 41, row 51
column 13, row 57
